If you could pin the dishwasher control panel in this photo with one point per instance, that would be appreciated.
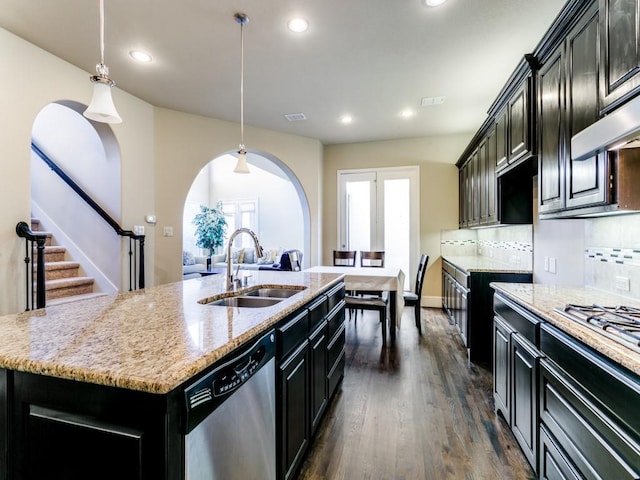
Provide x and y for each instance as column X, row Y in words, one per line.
column 226, row 377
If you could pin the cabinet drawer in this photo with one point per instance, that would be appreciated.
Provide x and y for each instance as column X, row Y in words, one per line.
column 587, row 434
column 553, row 462
column 524, row 323
column 615, row 390
column 450, row 269
column 317, row 312
column 336, row 319
column 462, row 278
column 336, row 345
column 336, row 374
column 292, row 333
column 334, row 296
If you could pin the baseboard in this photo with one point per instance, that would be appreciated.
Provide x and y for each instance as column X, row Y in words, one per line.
column 431, row 301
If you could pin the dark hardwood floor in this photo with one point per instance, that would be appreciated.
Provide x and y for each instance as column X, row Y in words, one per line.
column 414, row 410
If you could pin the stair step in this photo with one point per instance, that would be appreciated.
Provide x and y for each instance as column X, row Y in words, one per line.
column 65, row 287
column 73, row 298
column 54, row 254
column 35, row 224
column 47, row 243
column 63, row 269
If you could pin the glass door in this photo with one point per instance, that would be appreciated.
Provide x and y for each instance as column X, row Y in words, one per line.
column 379, row 210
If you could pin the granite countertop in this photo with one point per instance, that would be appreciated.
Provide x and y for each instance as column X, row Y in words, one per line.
column 150, row 340
column 542, row 299
column 478, row 263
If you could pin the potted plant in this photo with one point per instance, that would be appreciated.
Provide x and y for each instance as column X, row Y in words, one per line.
column 211, row 227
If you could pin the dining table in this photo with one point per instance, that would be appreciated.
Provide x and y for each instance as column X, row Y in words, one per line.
column 389, row 279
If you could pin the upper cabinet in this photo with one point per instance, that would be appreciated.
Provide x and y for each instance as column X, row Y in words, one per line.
column 519, row 108
column 620, row 51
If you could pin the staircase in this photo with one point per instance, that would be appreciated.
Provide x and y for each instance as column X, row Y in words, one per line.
column 63, row 282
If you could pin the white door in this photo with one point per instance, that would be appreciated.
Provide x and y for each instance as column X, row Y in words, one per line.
column 378, row 209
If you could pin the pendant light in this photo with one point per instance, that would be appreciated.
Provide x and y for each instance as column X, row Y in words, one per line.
column 241, row 166
column 101, row 108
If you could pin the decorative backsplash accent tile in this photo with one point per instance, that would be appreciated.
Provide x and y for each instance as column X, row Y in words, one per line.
column 621, row 256
column 516, row 246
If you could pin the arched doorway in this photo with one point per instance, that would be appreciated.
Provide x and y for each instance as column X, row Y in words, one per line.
column 270, row 200
column 88, row 153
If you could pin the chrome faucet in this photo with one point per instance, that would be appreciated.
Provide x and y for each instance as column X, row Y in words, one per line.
column 259, row 252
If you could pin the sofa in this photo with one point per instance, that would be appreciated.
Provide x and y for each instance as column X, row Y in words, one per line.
column 243, row 259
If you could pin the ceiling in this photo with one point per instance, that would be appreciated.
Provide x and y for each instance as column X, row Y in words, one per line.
column 368, row 58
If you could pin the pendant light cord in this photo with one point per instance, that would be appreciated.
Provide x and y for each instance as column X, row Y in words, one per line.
column 102, row 32
column 241, row 85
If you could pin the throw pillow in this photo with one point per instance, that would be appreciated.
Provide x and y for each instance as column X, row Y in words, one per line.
column 249, row 255
column 188, row 258
column 237, row 255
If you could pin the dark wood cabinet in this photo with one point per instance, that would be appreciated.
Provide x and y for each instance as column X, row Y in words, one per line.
column 524, row 395
column 502, row 367
column 318, row 370
column 491, row 212
column 620, row 51
column 519, row 134
column 553, row 461
column 502, row 158
column 550, row 135
column 294, row 408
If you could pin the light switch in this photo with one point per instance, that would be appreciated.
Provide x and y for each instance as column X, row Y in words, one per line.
column 552, row 265
column 167, row 231
column 546, row 264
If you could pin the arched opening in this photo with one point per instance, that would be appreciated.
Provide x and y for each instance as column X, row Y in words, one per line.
column 88, row 153
column 270, row 200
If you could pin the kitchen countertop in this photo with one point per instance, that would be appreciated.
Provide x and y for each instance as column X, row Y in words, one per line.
column 478, row 263
column 149, row 340
column 542, row 299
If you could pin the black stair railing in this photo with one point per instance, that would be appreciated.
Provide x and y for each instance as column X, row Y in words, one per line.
column 136, row 242
column 33, row 289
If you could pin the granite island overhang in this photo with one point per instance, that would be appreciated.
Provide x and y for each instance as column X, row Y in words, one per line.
column 150, row 340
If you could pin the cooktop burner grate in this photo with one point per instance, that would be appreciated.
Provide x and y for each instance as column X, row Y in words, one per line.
column 621, row 323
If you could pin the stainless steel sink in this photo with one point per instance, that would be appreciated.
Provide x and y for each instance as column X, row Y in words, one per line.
column 246, row 302
column 274, row 292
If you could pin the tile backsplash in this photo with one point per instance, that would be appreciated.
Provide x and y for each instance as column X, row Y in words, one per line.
column 612, row 254
column 511, row 244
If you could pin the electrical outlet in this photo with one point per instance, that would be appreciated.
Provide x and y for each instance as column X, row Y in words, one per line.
column 546, row 264
column 622, row 283
column 552, row 265
column 167, row 231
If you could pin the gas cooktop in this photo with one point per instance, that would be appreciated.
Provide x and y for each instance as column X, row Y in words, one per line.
column 619, row 323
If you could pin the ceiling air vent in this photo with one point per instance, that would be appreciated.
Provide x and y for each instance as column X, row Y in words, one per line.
column 295, row 117
column 431, row 101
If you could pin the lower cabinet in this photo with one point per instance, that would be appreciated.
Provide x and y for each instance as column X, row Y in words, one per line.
column 572, row 410
column 467, row 299
column 310, row 366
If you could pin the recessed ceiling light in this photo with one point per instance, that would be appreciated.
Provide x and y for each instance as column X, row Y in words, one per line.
column 346, row 119
column 298, row 25
column 407, row 113
column 140, row 56
column 434, row 3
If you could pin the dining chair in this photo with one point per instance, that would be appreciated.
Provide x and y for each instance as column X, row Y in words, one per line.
column 356, row 302
column 414, row 299
column 372, row 258
column 344, row 258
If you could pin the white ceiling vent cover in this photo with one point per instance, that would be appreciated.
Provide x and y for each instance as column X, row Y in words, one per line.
column 295, row 117
column 431, row 101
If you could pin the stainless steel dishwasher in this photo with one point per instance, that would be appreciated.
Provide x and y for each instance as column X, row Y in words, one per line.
column 231, row 426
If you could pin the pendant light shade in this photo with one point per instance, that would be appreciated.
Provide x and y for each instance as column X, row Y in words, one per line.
column 241, row 165
column 101, row 108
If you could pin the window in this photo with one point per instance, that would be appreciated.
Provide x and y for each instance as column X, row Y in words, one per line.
column 241, row 213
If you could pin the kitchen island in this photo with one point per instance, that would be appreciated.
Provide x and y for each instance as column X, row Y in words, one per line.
column 106, row 376
column 568, row 390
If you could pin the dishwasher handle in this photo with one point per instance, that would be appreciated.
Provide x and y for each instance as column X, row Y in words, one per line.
column 207, row 393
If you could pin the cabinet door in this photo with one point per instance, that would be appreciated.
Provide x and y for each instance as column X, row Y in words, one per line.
column 491, row 177
column 586, row 180
column 501, row 367
column 620, row 69
column 462, row 185
column 318, row 369
column 501, row 140
column 482, row 183
column 462, row 315
column 524, row 400
column 518, row 106
column 294, row 410
column 474, row 190
column 551, row 135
